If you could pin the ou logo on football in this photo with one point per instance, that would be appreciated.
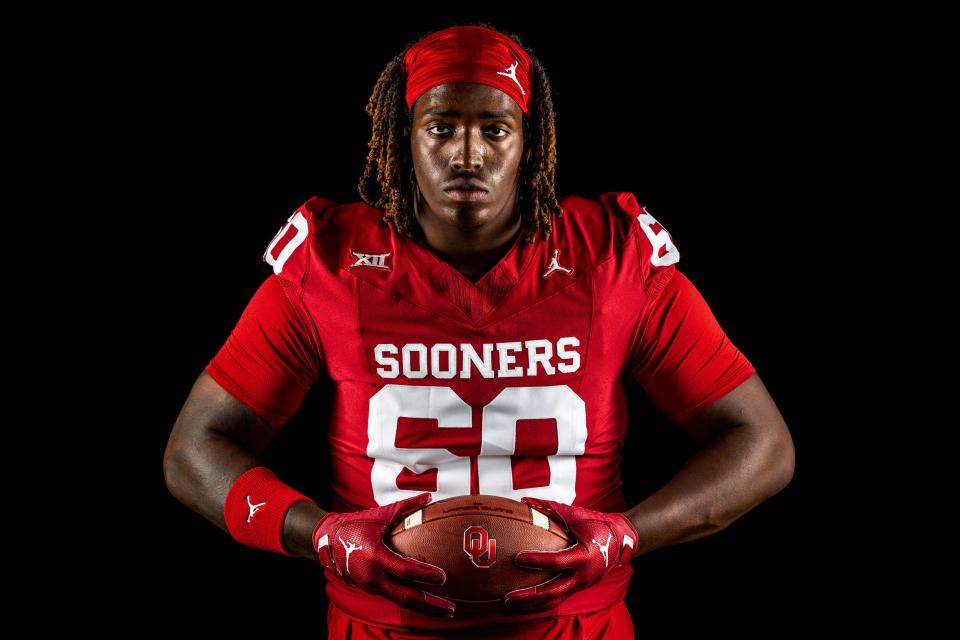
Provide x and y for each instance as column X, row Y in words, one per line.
column 477, row 542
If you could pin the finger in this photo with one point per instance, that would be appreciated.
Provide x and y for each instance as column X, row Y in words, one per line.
column 411, row 568
column 543, row 595
column 539, row 504
column 552, row 560
column 403, row 508
column 413, row 598
column 545, row 507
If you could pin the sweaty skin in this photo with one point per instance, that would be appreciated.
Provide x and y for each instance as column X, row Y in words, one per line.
column 473, row 131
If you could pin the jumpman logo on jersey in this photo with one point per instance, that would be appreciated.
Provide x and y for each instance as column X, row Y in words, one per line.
column 511, row 72
column 555, row 266
column 605, row 549
column 253, row 508
column 349, row 547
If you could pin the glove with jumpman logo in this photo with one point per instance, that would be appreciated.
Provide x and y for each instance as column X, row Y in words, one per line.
column 605, row 541
column 352, row 544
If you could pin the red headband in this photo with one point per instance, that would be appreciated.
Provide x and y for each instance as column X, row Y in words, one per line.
column 468, row 54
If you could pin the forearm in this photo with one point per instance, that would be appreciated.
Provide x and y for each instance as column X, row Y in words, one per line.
column 732, row 473
column 200, row 476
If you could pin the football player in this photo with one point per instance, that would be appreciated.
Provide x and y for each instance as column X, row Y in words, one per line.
column 478, row 330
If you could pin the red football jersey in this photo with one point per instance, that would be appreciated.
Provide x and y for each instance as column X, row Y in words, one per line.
column 458, row 387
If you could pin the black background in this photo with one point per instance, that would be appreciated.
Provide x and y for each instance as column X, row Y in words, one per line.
column 753, row 144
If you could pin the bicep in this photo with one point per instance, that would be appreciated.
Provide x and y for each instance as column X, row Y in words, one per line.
column 272, row 357
column 259, row 376
column 212, row 411
column 748, row 404
column 683, row 358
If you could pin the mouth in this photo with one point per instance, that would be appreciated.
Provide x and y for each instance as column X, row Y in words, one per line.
column 468, row 195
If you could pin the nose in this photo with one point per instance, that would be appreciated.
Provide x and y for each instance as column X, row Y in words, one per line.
column 466, row 155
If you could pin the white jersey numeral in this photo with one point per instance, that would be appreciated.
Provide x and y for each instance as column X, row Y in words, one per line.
column 300, row 224
column 498, row 431
column 658, row 240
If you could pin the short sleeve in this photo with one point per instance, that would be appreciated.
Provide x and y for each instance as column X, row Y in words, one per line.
column 681, row 356
column 273, row 356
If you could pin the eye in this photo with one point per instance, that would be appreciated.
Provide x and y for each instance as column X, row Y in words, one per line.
column 504, row 133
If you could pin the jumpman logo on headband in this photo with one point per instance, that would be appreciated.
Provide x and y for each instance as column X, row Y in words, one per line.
column 511, row 72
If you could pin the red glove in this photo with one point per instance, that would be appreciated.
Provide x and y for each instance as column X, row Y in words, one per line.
column 352, row 544
column 604, row 541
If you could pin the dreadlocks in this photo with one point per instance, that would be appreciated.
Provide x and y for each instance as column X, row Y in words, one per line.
column 389, row 150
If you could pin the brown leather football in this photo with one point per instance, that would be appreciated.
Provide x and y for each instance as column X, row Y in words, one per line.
column 474, row 539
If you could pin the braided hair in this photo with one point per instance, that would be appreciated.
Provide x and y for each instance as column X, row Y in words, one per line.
column 389, row 149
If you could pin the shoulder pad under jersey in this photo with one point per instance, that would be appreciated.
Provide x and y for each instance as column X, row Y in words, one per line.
column 289, row 252
column 656, row 251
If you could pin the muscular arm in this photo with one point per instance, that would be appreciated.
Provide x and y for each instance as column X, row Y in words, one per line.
column 214, row 440
column 746, row 456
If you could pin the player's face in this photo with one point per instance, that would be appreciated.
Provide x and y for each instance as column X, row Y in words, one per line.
column 467, row 131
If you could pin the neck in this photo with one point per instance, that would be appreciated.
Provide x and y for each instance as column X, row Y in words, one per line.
column 471, row 251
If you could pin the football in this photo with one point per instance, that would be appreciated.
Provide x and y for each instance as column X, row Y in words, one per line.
column 474, row 539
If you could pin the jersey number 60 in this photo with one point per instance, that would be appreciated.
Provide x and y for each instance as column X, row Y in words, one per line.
column 498, row 440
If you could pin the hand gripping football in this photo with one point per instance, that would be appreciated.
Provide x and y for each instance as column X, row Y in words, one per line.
column 473, row 539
